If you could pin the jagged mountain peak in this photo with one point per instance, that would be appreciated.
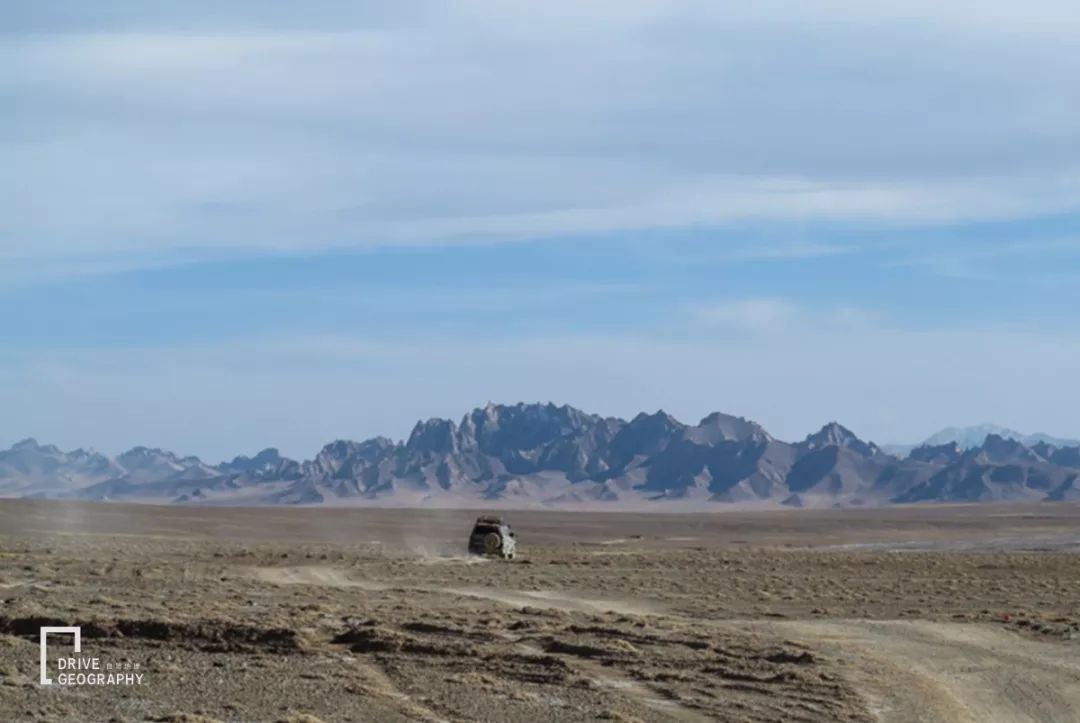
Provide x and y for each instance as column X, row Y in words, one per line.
column 968, row 437
column 268, row 455
column 1000, row 469
column 998, row 441
column 832, row 434
column 975, row 436
column 999, row 449
column 434, row 435
column 641, row 437
column 539, row 411
column 543, row 453
column 340, row 447
column 657, row 420
column 266, row 459
column 835, row 434
column 32, row 447
column 525, row 425
column 938, row 453
column 717, row 427
column 146, row 452
column 140, row 458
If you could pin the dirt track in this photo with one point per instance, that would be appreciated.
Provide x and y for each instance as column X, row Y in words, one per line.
column 932, row 671
column 359, row 617
column 909, row 670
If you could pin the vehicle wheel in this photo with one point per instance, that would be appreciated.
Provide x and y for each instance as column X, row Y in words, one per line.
column 492, row 543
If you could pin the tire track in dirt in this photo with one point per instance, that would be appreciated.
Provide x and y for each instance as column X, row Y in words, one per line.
column 326, row 576
column 604, row 677
column 610, row 679
column 319, row 575
column 379, row 684
column 908, row 671
column 914, row 671
column 568, row 602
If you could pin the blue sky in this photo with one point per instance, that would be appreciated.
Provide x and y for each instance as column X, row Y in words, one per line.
column 232, row 226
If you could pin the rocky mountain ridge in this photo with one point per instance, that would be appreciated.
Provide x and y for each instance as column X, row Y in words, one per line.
column 547, row 455
column 975, row 436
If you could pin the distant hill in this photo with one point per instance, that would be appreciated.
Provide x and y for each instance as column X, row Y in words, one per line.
column 527, row 455
column 970, row 437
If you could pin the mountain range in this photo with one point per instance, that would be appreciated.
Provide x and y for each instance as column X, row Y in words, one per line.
column 974, row 436
column 529, row 455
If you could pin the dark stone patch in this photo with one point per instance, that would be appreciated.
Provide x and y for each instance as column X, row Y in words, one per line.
column 211, row 635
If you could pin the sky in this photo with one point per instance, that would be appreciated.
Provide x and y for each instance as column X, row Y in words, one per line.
column 227, row 226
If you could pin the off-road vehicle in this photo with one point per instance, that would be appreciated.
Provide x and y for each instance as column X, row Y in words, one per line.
column 491, row 537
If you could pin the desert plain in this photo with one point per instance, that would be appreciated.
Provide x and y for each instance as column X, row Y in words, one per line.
column 924, row 613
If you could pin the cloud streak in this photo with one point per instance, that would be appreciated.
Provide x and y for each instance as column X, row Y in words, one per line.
column 240, row 212
column 206, row 133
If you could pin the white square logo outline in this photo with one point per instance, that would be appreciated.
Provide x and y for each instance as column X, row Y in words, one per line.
column 69, row 630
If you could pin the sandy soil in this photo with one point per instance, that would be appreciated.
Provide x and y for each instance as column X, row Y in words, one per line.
column 914, row 614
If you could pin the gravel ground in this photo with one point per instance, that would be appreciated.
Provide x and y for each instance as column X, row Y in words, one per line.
column 375, row 615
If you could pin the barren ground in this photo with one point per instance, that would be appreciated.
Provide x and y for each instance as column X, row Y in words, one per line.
column 951, row 613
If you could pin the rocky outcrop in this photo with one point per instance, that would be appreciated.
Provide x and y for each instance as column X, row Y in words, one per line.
column 539, row 454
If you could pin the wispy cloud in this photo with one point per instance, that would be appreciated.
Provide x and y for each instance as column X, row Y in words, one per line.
column 758, row 207
column 250, row 131
column 753, row 315
column 787, row 317
column 993, row 260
